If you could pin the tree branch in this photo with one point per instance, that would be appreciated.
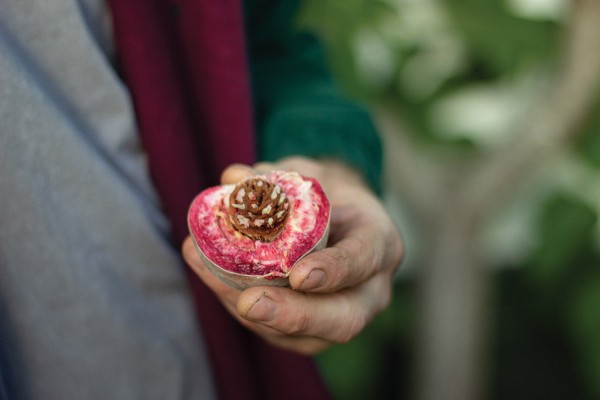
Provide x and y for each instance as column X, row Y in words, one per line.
column 555, row 121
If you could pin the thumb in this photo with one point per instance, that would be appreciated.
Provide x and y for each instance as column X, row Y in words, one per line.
column 235, row 173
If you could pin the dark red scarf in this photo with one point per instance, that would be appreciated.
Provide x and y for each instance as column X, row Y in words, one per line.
column 184, row 63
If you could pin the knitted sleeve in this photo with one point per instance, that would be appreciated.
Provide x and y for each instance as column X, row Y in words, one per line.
column 298, row 108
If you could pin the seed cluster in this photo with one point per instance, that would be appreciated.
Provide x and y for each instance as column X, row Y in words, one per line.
column 258, row 209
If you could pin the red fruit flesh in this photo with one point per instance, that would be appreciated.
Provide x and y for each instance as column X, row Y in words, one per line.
column 218, row 240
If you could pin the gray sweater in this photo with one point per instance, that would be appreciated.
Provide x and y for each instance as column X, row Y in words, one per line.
column 93, row 300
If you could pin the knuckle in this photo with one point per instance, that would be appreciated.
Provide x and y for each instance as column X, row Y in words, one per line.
column 362, row 259
column 297, row 325
column 384, row 299
column 381, row 293
column 373, row 262
column 340, row 256
column 353, row 327
column 397, row 252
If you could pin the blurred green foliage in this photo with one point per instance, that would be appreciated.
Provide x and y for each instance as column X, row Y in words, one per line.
column 548, row 321
column 422, row 59
column 501, row 41
column 589, row 143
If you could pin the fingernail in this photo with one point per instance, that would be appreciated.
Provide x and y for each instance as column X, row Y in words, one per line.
column 315, row 279
column 263, row 310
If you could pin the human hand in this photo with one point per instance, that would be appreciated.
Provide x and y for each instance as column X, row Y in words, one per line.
column 334, row 292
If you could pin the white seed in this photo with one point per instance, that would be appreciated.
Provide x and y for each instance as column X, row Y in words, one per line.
column 259, row 222
column 281, row 198
column 240, row 195
column 254, row 205
column 239, row 206
column 251, row 196
column 275, row 192
column 270, row 221
column 259, row 183
column 280, row 214
column 267, row 210
column 243, row 221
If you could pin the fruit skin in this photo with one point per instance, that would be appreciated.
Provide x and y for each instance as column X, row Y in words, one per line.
column 242, row 262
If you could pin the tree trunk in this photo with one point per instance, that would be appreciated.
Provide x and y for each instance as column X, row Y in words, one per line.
column 452, row 310
column 451, row 208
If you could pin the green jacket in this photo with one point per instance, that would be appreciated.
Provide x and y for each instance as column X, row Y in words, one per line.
column 299, row 108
